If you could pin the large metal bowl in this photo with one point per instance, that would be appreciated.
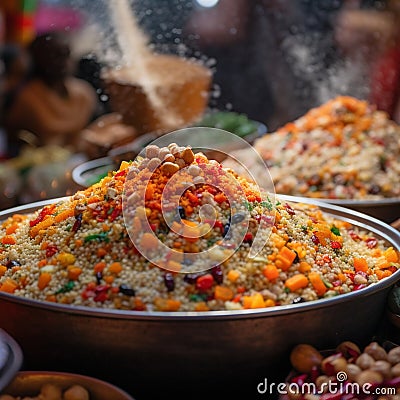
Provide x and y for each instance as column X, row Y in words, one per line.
column 221, row 347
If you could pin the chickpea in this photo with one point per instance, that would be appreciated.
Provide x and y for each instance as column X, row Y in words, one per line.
column 76, row 392
column 188, row 155
column 376, row 351
column 321, row 380
column 383, row 367
column 152, row 151
column 394, row 355
column 396, row 370
column 335, row 362
column 352, row 371
column 369, row 376
column 50, row 392
column 365, row 361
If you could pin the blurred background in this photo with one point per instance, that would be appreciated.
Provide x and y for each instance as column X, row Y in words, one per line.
column 268, row 60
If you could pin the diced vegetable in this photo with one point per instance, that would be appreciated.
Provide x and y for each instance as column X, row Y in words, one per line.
column 271, row 272
column 318, row 283
column 296, row 282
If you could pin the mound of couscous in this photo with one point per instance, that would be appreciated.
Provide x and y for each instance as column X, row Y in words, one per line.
column 83, row 252
column 344, row 149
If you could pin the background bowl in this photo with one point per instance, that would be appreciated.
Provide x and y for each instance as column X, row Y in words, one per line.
column 186, row 348
column 29, row 383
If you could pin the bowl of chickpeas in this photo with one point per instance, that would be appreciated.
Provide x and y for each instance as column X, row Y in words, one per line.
column 38, row 385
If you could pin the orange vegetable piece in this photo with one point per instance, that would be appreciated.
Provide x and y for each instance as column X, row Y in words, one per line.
column 149, row 193
column 108, row 279
column 304, row 267
column 220, row 198
column 11, row 229
column 383, row 264
column 247, row 301
column 46, row 223
column 296, row 282
column 391, row 255
column 52, row 298
column 285, row 258
column 3, row 270
column 42, row 263
column 278, row 240
column 149, row 241
column 271, row 272
column 174, row 266
column 73, row 272
column 360, row 264
column 8, row 239
column 383, row 273
column 9, row 286
column 167, row 304
column 269, row 303
column 44, row 280
column 201, row 306
column 233, row 275
column 101, row 252
column 317, row 282
column 342, row 277
column 223, row 293
column 99, row 267
column 115, row 268
column 64, row 215
column 257, row 301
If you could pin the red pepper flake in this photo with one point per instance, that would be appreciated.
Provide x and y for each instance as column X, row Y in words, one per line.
column 51, row 250
column 336, row 245
column 241, row 289
column 220, row 198
column 354, row 235
column 219, row 225
column 194, row 200
column 153, row 227
column 248, row 237
column 115, row 213
column 121, row 173
column 89, row 291
column 371, row 242
column 204, row 282
column 327, row 258
column 43, row 213
column 237, row 298
column 77, row 223
column 101, row 293
column 289, row 209
column 314, row 239
column 269, row 219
